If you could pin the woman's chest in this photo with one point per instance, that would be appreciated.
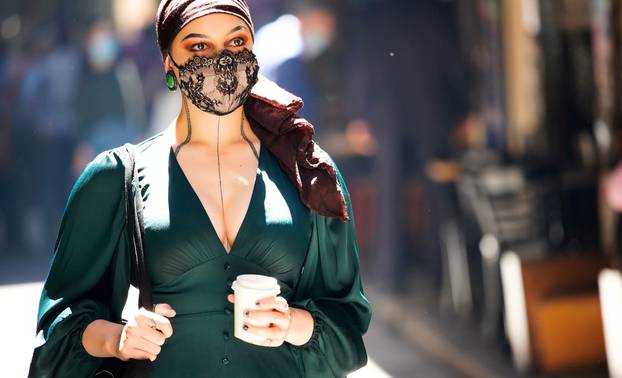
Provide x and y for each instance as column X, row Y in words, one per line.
column 225, row 195
column 183, row 249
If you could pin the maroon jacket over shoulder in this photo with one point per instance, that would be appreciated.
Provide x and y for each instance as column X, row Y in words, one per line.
column 272, row 113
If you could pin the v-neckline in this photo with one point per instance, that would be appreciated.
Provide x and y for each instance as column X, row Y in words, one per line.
column 211, row 229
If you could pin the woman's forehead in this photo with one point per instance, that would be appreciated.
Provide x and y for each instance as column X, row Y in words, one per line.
column 214, row 25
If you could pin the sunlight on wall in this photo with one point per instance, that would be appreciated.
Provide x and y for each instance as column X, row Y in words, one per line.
column 610, row 287
column 18, row 339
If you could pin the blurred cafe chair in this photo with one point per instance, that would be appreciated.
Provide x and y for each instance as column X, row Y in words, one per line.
column 510, row 214
column 553, row 312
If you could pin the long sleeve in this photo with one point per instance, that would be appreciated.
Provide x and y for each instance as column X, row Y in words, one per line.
column 330, row 289
column 89, row 272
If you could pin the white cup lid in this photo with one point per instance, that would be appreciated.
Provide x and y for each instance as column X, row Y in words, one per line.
column 255, row 282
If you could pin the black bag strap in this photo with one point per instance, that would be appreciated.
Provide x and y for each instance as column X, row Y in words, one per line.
column 136, row 236
column 135, row 229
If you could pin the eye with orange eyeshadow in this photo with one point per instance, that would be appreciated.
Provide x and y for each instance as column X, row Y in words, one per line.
column 238, row 41
column 199, row 46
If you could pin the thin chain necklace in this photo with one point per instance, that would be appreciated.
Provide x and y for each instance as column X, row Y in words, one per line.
column 222, row 202
column 187, row 140
column 250, row 143
column 189, row 135
column 246, row 138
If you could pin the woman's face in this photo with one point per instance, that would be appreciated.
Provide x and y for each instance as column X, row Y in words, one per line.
column 207, row 35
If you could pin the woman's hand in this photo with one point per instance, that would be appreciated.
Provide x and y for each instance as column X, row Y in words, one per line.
column 274, row 320
column 143, row 336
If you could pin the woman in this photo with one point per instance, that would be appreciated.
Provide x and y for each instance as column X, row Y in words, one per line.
column 234, row 186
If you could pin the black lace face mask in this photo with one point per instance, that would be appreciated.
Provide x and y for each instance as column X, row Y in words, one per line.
column 218, row 84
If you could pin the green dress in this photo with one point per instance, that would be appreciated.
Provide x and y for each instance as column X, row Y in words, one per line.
column 314, row 258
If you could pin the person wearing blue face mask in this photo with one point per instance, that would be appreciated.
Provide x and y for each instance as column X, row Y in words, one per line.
column 103, row 48
column 110, row 104
column 303, row 73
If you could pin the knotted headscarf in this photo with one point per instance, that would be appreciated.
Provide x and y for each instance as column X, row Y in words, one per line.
column 173, row 15
column 272, row 112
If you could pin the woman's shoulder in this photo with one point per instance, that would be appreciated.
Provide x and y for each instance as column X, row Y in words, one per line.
column 153, row 142
column 113, row 159
column 107, row 169
column 104, row 172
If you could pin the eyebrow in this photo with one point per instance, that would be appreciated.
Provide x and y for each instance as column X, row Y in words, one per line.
column 197, row 35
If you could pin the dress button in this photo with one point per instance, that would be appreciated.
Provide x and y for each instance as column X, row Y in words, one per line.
column 227, row 266
column 227, row 311
column 229, row 282
column 226, row 335
column 225, row 361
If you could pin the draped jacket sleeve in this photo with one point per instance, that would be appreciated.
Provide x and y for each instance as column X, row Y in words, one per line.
column 88, row 276
column 330, row 289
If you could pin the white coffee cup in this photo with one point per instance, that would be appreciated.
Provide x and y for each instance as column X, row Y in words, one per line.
column 248, row 289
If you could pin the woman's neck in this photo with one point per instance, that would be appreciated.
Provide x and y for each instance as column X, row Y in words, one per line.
column 204, row 128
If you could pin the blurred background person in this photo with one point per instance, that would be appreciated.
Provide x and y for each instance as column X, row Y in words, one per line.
column 45, row 130
column 299, row 74
column 111, row 104
column 407, row 85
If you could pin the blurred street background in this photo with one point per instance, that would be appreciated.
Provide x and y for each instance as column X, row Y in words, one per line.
column 480, row 141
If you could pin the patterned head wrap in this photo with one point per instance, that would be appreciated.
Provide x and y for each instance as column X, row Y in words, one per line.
column 173, row 15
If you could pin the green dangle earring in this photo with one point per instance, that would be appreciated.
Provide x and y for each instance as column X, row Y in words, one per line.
column 171, row 81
